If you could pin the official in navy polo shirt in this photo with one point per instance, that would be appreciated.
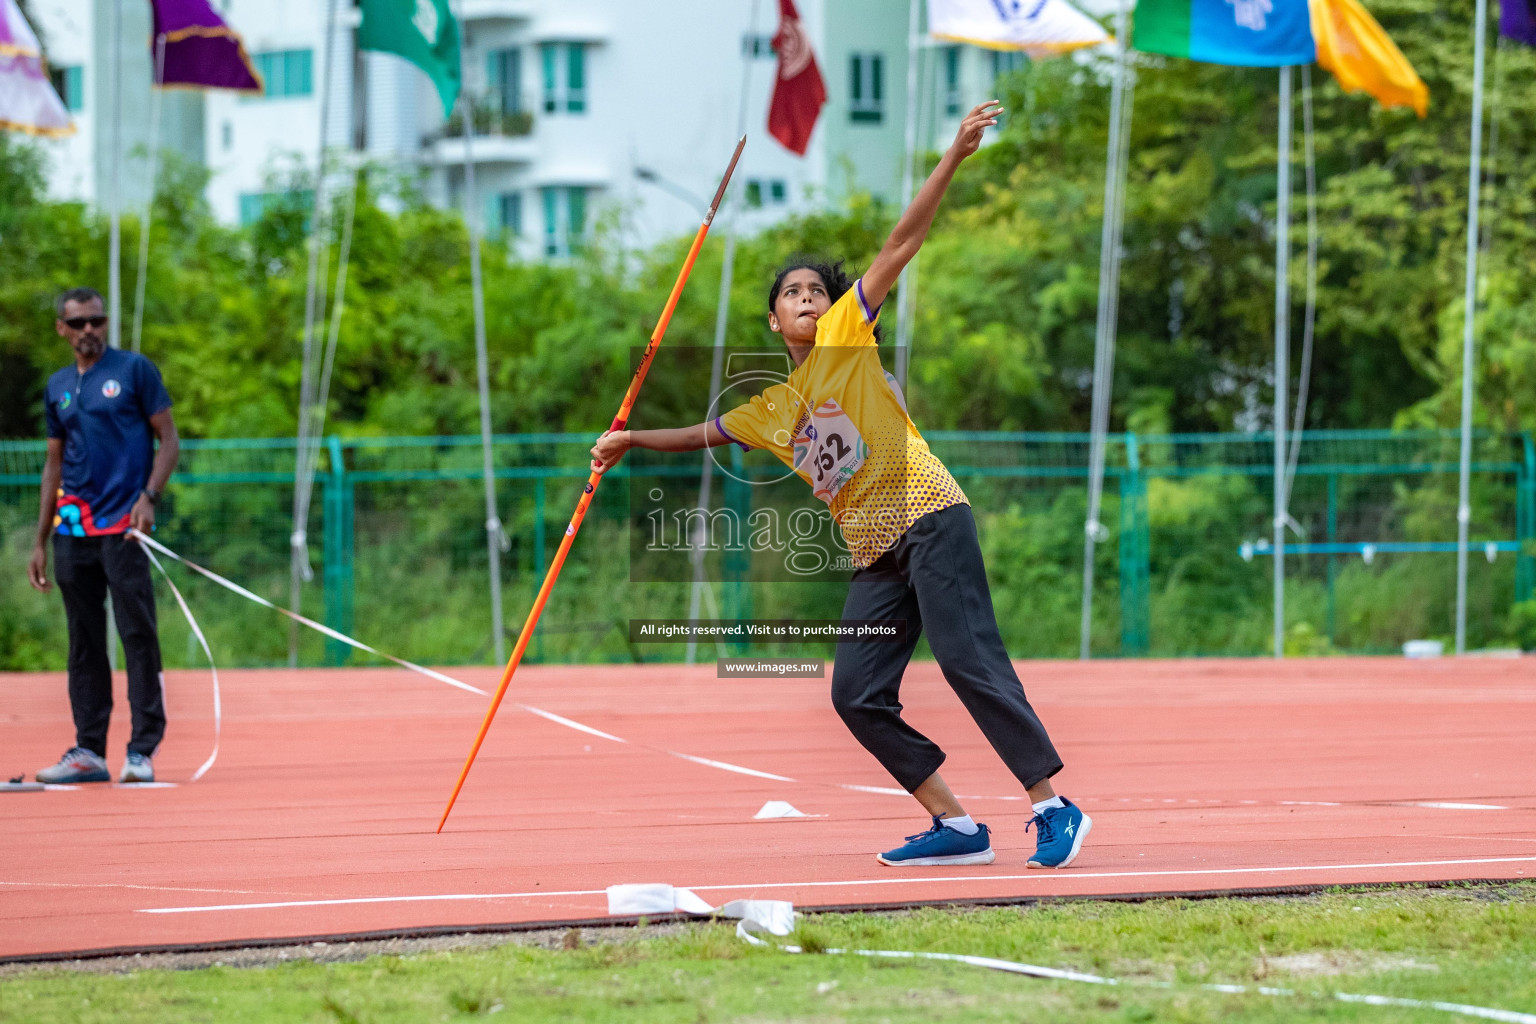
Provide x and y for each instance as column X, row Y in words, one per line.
column 103, row 476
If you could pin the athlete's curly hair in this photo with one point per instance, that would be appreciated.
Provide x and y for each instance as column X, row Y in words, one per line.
column 832, row 275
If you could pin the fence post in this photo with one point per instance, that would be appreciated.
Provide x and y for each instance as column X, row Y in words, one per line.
column 338, row 577
column 1333, row 536
column 1135, row 557
column 1525, row 520
column 538, row 556
column 738, row 564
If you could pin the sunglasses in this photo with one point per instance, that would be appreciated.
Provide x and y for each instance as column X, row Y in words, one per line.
column 79, row 323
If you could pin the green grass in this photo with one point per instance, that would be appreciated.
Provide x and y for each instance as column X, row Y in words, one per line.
column 1475, row 946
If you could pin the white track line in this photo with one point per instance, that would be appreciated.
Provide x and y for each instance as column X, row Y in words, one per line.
column 902, row 880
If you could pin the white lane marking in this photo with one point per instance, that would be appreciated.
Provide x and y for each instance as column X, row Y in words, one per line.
column 908, row 880
column 1439, row 806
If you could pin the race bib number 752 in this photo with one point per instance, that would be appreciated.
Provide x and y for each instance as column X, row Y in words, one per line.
column 829, row 449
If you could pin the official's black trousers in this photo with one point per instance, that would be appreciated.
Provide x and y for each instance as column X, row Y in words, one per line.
column 86, row 569
column 934, row 579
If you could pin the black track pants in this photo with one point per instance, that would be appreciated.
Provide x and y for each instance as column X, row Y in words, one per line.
column 86, row 568
column 935, row 580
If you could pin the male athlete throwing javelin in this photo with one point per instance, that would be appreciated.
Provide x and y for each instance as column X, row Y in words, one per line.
column 841, row 423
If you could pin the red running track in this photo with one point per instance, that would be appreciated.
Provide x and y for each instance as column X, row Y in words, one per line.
column 318, row 818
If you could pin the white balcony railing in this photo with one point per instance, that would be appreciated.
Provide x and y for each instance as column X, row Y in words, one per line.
column 497, row 10
column 487, row 149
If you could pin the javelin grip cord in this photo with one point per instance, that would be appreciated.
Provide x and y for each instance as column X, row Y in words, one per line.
column 593, row 479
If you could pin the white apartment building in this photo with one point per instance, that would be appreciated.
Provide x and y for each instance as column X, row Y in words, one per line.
column 585, row 110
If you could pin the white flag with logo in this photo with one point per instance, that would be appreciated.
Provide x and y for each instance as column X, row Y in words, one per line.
column 1041, row 28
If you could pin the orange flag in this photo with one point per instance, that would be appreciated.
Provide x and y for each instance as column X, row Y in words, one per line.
column 1363, row 57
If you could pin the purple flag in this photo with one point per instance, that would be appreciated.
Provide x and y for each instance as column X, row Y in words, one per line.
column 1515, row 21
column 200, row 50
column 27, row 100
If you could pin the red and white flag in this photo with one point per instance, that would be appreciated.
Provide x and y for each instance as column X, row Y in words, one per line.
column 799, row 92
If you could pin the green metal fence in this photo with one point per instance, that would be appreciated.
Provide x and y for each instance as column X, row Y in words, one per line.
column 401, row 560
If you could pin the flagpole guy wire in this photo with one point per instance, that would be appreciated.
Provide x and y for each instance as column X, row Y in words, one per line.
column 1468, row 337
column 1309, row 316
column 310, row 459
column 1115, row 172
column 299, row 569
column 905, row 307
column 495, row 537
column 700, row 586
column 156, row 100
column 906, row 296
column 1282, row 343
column 593, row 480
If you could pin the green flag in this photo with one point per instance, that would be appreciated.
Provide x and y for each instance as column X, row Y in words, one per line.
column 421, row 31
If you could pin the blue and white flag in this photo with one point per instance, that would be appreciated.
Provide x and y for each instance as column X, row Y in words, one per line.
column 1239, row 33
column 1041, row 28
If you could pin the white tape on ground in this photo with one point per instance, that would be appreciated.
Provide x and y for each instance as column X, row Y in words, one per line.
column 218, row 708
column 748, row 927
column 777, row 917
column 1038, row 876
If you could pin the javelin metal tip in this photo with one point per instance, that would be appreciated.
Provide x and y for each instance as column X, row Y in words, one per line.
column 726, row 180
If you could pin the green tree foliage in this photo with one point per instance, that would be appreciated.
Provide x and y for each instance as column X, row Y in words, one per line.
column 1008, row 282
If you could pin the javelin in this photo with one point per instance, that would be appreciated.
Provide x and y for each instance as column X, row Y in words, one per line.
column 593, row 480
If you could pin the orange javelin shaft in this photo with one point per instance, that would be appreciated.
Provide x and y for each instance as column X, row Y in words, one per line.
column 593, row 480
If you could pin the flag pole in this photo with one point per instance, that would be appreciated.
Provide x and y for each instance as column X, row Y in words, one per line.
column 1282, row 345
column 298, row 566
column 905, row 308
column 493, row 532
column 1469, row 317
column 157, row 97
column 1112, row 233
column 115, row 223
column 717, row 359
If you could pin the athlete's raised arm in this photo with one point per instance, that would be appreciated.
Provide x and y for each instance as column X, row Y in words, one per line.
column 910, row 231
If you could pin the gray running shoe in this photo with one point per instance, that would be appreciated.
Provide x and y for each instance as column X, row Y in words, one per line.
column 137, row 769
column 77, row 765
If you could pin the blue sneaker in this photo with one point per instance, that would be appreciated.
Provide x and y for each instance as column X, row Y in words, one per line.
column 941, row 845
column 77, row 765
column 1059, row 835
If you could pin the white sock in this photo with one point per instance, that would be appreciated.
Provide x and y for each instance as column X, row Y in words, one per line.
column 1045, row 805
column 963, row 824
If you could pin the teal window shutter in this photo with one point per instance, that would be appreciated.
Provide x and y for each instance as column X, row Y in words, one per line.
column 300, row 64
column 547, row 59
column 576, row 199
column 251, row 204
column 951, row 80
column 552, row 240
column 576, row 78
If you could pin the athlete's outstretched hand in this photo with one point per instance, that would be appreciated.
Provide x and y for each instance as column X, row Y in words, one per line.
column 981, row 117
column 609, row 449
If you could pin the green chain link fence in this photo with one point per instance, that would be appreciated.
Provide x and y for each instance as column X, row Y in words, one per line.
column 401, row 562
